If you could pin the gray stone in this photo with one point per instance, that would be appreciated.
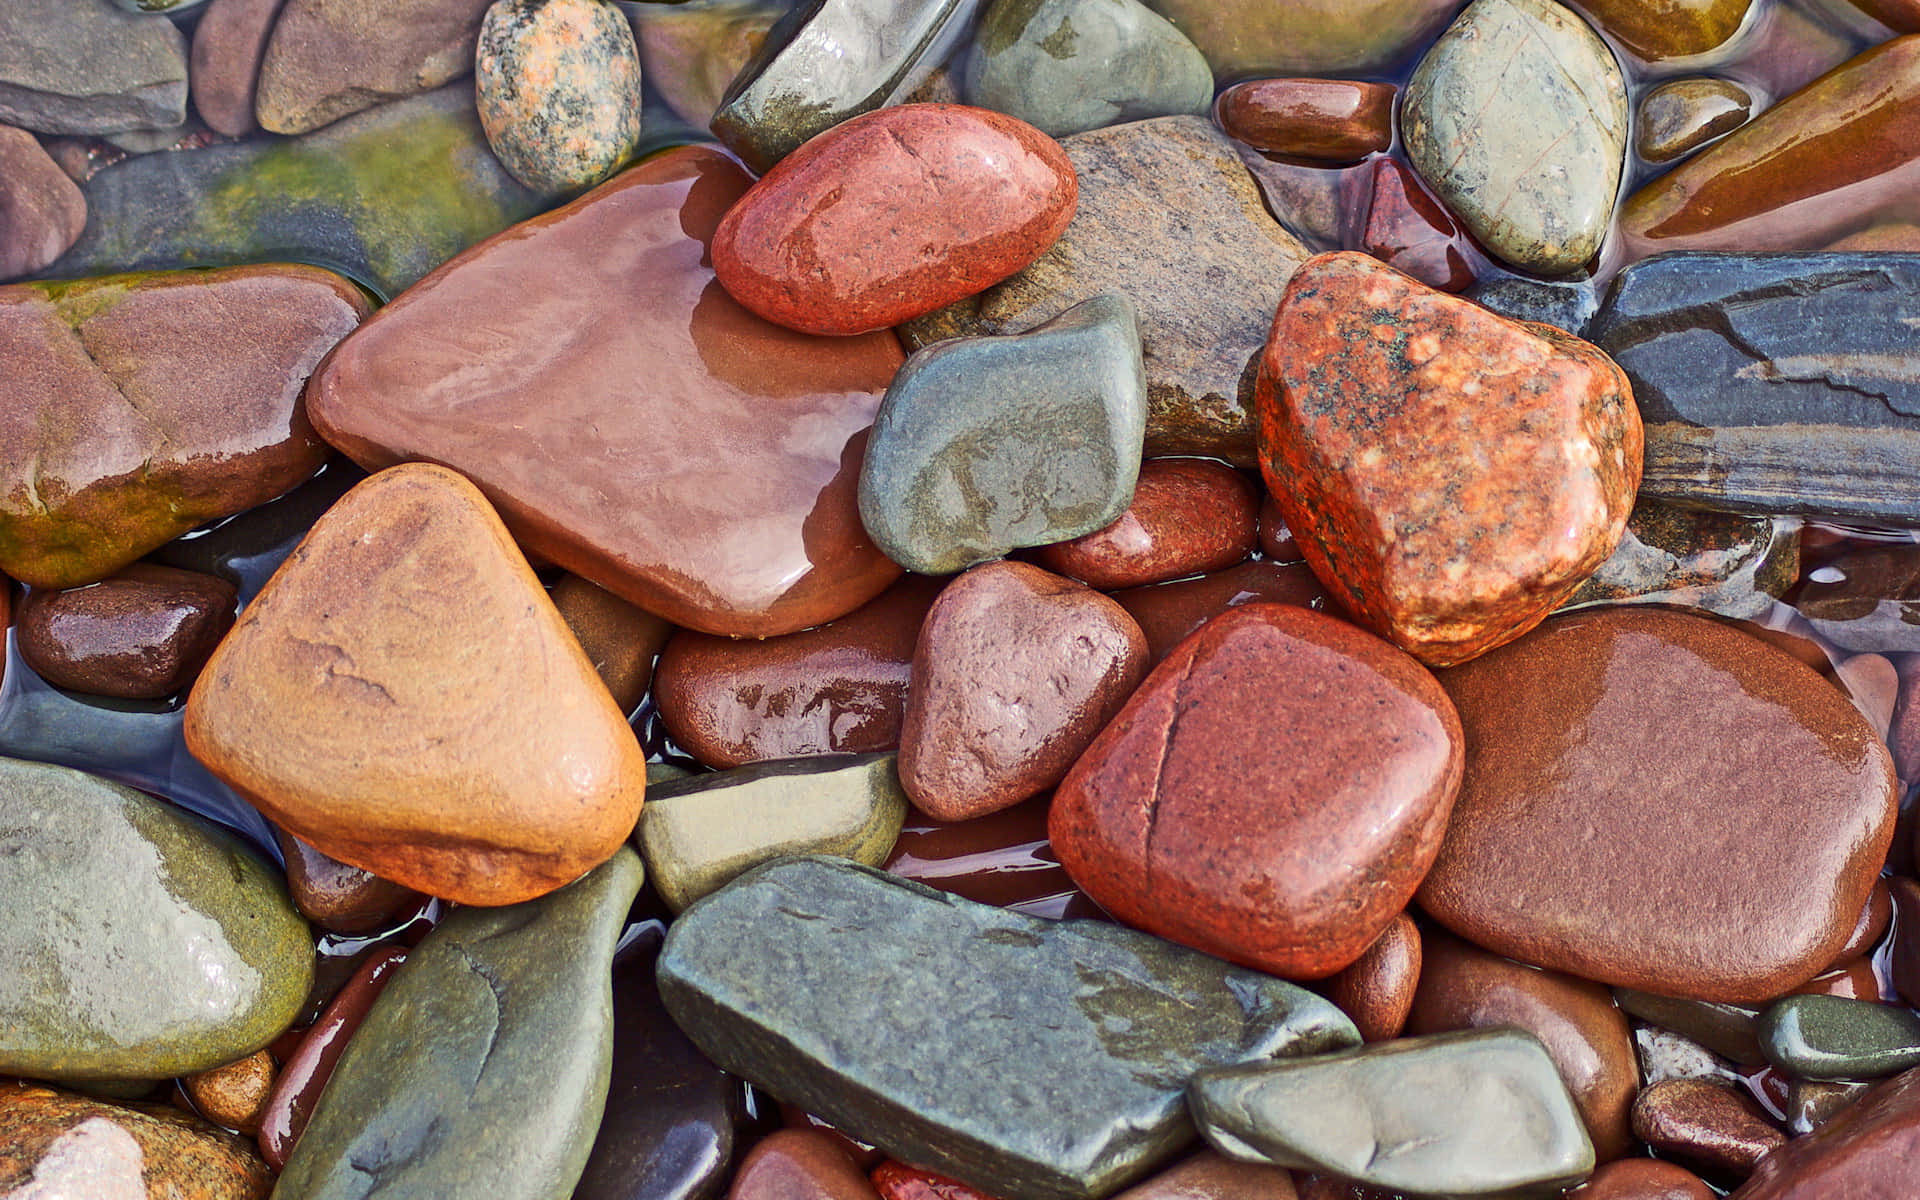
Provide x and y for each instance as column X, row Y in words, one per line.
column 1518, row 118
column 1567, row 305
column 986, row 445
column 1682, row 115
column 1831, row 1037
column 85, row 66
column 1067, row 66
column 1775, row 383
column 700, row 833
column 482, row 1068
column 1169, row 216
column 1457, row 1113
column 1867, row 600
column 558, row 88
column 139, row 942
column 383, row 197
column 830, row 60
column 1725, row 563
column 1038, row 1059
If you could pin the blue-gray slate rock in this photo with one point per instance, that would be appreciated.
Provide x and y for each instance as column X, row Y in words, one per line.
column 1030, row 1058
column 87, row 67
column 139, row 942
column 1775, row 383
column 989, row 444
column 1832, row 1037
column 482, row 1069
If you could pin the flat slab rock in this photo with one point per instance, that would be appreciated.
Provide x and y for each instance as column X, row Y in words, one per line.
column 877, row 1004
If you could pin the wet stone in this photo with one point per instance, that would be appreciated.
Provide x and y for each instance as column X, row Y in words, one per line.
column 1774, row 383
column 1729, row 1030
column 1002, row 859
column 234, row 1095
column 1067, row 66
column 898, row 1181
column 41, row 210
column 799, row 1164
column 142, row 633
column 1400, row 223
column 86, row 66
column 1664, row 1055
column 1643, row 1179
column 1188, row 516
column 1564, row 304
column 337, row 897
column 328, row 59
column 1658, row 30
column 621, row 639
column 1329, row 119
column 690, row 53
column 1867, row 599
column 1377, row 989
column 1827, row 1037
column 1811, row 1103
column 811, row 977
column 1868, row 1148
column 558, row 90
column 1243, row 38
column 1724, row 563
column 1712, row 1126
column 1682, row 115
column 1208, row 1176
column 228, row 44
column 1478, row 1112
column 1169, row 612
column 54, row 1144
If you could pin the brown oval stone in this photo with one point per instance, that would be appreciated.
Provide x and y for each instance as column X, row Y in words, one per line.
column 234, row 1095
column 840, row 688
column 228, row 44
column 1333, row 120
column 799, row 1164
column 141, row 634
column 1682, row 115
column 1450, row 475
column 982, row 193
column 621, row 639
column 1642, row 1179
column 335, row 896
column 1868, row 1150
column 1464, row 987
column 1377, row 989
column 1168, row 612
column 1657, row 30
column 1598, row 782
column 1014, row 672
column 1188, row 516
column 1208, row 1176
column 1272, row 794
column 1717, row 1127
column 42, row 211
column 57, row 1145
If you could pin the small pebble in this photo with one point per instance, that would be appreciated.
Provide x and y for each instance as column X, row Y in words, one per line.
column 1706, row 1124
column 558, row 87
column 234, row 1095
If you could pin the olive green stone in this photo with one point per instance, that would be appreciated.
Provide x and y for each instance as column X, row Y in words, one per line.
column 1682, row 115
column 1725, row 563
column 1044, row 1060
column 700, row 833
column 1830, row 1037
column 1729, row 1030
column 139, row 942
column 482, row 1069
column 1456, row 1114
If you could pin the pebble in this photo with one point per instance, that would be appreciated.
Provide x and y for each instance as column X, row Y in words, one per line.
column 558, row 89
column 691, row 53
column 1820, row 163
column 1711, row 1126
column 799, row 1164
column 759, row 540
column 1728, row 1030
column 1774, row 383
column 1208, row 1176
column 234, row 1095
column 1595, row 787
column 327, row 59
column 484, row 1065
column 1400, row 223
column 699, row 834
column 378, row 738
column 1015, row 672
column 1330, row 120
column 1168, row 613
column 984, row 445
column 841, row 59
column 1826, row 1037
column 872, row 1001
column 1643, row 1179
column 116, row 445
column 140, row 942
column 1479, row 1112
column 1170, row 217
column 1243, row 38
column 1003, row 859
column 142, row 633
column 1682, row 115
column 1067, row 66
column 89, row 67
column 1669, row 29
column 1518, row 117
column 224, row 64
column 337, row 897
column 41, row 210
column 621, row 639
column 1864, row 1151
column 1725, row 563
column 1464, row 987
column 1200, row 812
column 1377, row 989
column 1400, row 428
column 54, row 1145
column 1188, row 516
column 1665, row 1055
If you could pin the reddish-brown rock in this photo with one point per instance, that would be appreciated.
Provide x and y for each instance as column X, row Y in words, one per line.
column 403, row 697
column 1328, row 119
column 1003, row 858
column 140, row 634
column 973, row 197
column 1904, row 963
column 228, row 44
column 1377, row 989
column 234, row 1095
column 335, row 896
column 1900, row 15
column 688, row 457
column 897, row 1181
column 55, row 1145
column 1168, row 612
column 1875, row 917
column 42, row 211
column 1276, row 540
column 1642, row 1179
column 1188, row 516
column 1464, row 987
column 308, row 1068
column 1401, row 223
column 1014, row 673
column 1272, row 794
column 840, row 688
column 1208, row 1176
column 327, row 59
column 1451, row 476
column 1599, row 780
column 1715, row 1127
column 1866, row 1152
column 621, row 639
column 799, row 1164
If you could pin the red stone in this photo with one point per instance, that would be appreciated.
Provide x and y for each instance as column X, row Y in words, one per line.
column 304, row 1076
column 1377, row 989
column 1188, row 516
column 228, row 44
column 1003, row 858
column 1329, row 119
column 798, row 1164
column 1168, row 612
column 1407, row 228
column 1875, row 917
column 897, row 1181
column 1208, row 1176
column 1276, row 540
column 1272, row 794
column 1450, row 475
column 1867, row 1152
column 892, row 215
column 1716, row 1127
column 1853, row 980
column 1642, row 1179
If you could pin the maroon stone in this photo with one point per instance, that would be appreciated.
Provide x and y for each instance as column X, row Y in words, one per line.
column 1904, row 962
column 1168, row 612
column 1875, row 917
column 1276, row 540
column 1328, row 119
column 797, row 1164
column 1407, row 228
column 228, row 45
column 1715, row 1127
column 1642, row 1179
column 1866, row 1152
column 142, row 634
column 337, row 897
column 1856, row 979
column 305, row 1075
column 1377, row 989
column 42, row 211
column 1188, row 516
column 1003, row 858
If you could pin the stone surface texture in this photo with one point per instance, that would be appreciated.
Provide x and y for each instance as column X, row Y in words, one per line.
column 42, row 211
column 88, row 67
column 140, row 634
column 327, row 59
column 558, row 90
column 55, row 1145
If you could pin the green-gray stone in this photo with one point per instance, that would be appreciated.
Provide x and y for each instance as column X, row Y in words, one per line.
column 482, row 1069
column 1034, row 1059
column 985, row 445
column 830, row 60
column 1474, row 1113
column 1831, row 1037
column 1729, row 1030
column 86, row 67
column 1518, row 118
column 384, row 197
column 1066, row 66
column 698, row 834
column 139, row 942
column 1724, row 563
